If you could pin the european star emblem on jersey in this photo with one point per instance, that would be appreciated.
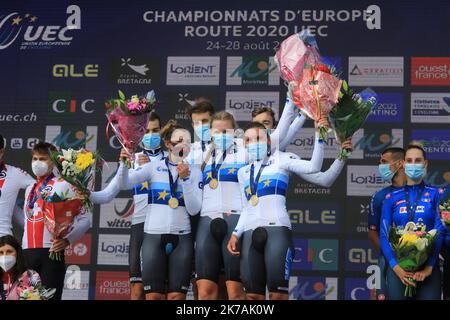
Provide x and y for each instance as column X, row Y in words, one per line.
column 267, row 183
column 209, row 175
column 162, row 195
column 144, row 186
column 249, row 191
column 231, row 170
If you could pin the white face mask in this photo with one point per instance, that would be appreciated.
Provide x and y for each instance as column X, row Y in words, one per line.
column 7, row 262
column 40, row 168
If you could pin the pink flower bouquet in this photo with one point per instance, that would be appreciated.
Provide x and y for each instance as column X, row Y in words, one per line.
column 294, row 53
column 129, row 118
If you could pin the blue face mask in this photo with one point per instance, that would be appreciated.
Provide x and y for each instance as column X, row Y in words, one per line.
column 203, row 132
column 415, row 171
column 257, row 151
column 385, row 172
column 223, row 140
column 151, row 141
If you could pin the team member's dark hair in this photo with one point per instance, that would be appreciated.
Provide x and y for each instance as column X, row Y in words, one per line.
column 397, row 153
column 20, row 266
column 2, row 142
column 254, row 125
column 201, row 105
column 154, row 116
column 43, row 148
column 257, row 111
column 168, row 129
column 415, row 146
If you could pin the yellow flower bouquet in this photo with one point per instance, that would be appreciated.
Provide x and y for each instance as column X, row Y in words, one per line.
column 412, row 246
column 77, row 167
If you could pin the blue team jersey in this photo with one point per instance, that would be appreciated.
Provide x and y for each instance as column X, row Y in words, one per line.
column 376, row 204
column 395, row 214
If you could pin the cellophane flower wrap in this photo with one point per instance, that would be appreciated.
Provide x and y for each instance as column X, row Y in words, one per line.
column 412, row 247
column 350, row 113
column 294, row 53
column 59, row 213
column 29, row 287
column 316, row 93
column 129, row 118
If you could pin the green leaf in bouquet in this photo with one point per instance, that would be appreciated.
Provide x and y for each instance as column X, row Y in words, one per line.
column 349, row 114
column 405, row 252
column 421, row 258
column 344, row 154
column 360, row 100
column 407, row 264
column 344, row 106
column 345, row 86
column 122, row 95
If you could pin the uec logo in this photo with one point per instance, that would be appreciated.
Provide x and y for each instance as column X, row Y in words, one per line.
column 12, row 24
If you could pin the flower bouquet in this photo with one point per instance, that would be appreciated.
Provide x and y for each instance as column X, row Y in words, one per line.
column 59, row 213
column 77, row 167
column 412, row 246
column 350, row 113
column 316, row 93
column 444, row 209
column 129, row 118
column 30, row 288
column 294, row 53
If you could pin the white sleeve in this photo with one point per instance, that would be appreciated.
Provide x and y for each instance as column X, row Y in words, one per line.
column 128, row 180
column 82, row 223
column 327, row 178
column 110, row 192
column 24, row 179
column 192, row 191
column 294, row 164
column 239, row 229
column 283, row 125
column 295, row 126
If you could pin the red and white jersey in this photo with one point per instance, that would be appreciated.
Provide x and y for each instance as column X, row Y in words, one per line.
column 35, row 233
column 12, row 179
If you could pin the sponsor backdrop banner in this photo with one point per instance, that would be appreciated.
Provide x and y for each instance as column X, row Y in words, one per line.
column 60, row 61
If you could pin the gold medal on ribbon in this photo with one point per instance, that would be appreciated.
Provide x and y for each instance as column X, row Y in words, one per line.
column 173, row 203
column 254, row 200
column 213, row 183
